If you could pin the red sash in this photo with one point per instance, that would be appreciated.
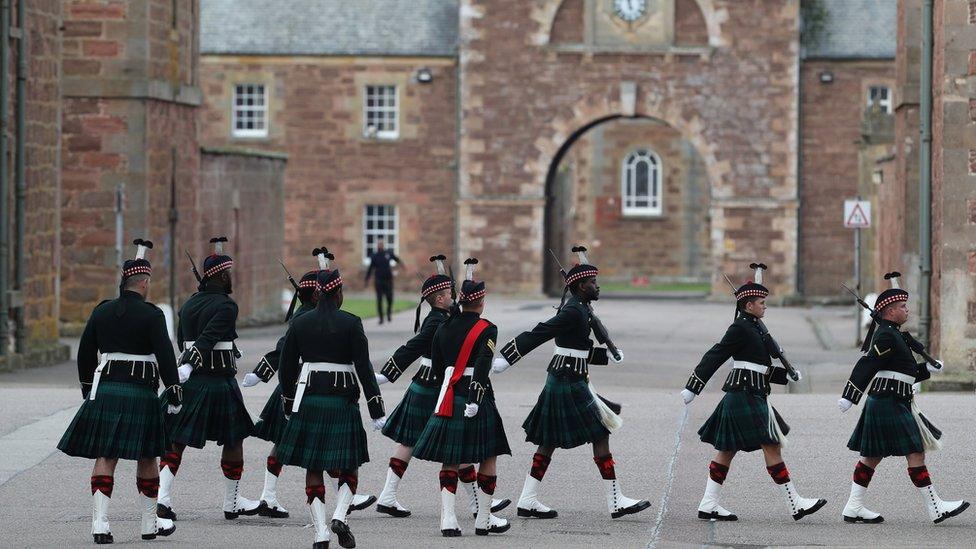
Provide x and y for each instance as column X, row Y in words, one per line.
column 447, row 404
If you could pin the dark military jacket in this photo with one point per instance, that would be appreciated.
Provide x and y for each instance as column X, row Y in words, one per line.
column 268, row 365
column 418, row 346
column 745, row 340
column 127, row 324
column 209, row 317
column 329, row 335
column 889, row 351
column 447, row 346
column 570, row 328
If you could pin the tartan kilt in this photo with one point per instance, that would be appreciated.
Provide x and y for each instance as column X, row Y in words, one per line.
column 458, row 439
column 325, row 433
column 565, row 415
column 888, row 428
column 740, row 422
column 123, row 422
column 272, row 422
column 409, row 418
column 213, row 409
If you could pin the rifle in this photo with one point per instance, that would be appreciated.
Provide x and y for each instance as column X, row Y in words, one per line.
column 790, row 370
column 290, row 278
column 294, row 297
column 914, row 344
column 193, row 266
column 599, row 329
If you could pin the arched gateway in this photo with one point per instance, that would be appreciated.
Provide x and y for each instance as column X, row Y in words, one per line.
column 717, row 75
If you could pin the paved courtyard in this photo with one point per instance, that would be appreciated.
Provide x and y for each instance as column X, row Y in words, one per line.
column 45, row 497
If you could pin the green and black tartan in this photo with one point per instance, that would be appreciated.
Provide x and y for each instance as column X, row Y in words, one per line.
column 888, row 428
column 565, row 415
column 124, row 421
column 458, row 439
column 409, row 418
column 213, row 409
column 272, row 422
column 325, row 433
column 740, row 422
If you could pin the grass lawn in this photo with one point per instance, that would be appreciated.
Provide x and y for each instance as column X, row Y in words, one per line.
column 365, row 307
column 662, row 287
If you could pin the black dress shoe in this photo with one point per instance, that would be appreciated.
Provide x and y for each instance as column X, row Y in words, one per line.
column 804, row 512
column 715, row 516
column 635, row 508
column 320, row 545
column 341, row 529
column 392, row 511
column 266, row 510
column 103, row 539
column 494, row 529
column 451, row 533
column 369, row 501
column 532, row 513
column 165, row 512
column 503, row 503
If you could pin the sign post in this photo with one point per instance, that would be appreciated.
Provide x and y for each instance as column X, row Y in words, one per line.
column 857, row 216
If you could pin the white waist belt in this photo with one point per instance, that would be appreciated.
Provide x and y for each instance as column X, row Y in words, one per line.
column 425, row 362
column 888, row 374
column 117, row 357
column 575, row 353
column 752, row 366
column 307, row 369
column 448, row 372
column 219, row 346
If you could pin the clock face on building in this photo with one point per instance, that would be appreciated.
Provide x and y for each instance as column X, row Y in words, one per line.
column 630, row 10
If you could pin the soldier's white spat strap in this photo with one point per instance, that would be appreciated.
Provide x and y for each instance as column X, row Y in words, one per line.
column 307, row 370
column 115, row 357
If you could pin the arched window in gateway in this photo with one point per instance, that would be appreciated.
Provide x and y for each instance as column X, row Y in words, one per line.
column 641, row 187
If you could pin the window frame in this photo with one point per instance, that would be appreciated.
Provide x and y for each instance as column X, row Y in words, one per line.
column 656, row 168
column 235, row 109
column 385, row 233
column 382, row 134
column 886, row 104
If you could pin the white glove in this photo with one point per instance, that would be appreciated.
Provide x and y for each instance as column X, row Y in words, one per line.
column 933, row 369
column 799, row 377
column 379, row 423
column 173, row 410
column 687, row 396
column 499, row 364
column 844, row 404
column 470, row 410
column 381, row 379
column 250, row 380
column 184, row 372
column 615, row 360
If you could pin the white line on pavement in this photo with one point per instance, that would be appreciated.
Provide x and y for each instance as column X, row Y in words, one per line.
column 662, row 510
column 32, row 443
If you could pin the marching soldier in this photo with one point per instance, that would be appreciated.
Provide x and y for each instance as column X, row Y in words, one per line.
column 465, row 426
column 409, row 418
column 272, row 421
column 891, row 424
column 568, row 412
column 214, row 405
column 744, row 420
column 324, row 360
column 120, row 417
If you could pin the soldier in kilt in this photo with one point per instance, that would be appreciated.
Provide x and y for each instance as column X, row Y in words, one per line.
column 891, row 423
column 409, row 418
column 213, row 405
column 568, row 412
column 324, row 360
column 272, row 421
column 744, row 420
column 465, row 426
column 119, row 417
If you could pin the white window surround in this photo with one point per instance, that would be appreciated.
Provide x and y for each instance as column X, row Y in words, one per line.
column 641, row 184
column 381, row 111
column 380, row 221
column 249, row 110
column 880, row 95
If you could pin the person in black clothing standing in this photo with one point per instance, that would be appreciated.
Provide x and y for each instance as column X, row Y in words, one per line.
column 323, row 363
column 379, row 264
column 119, row 417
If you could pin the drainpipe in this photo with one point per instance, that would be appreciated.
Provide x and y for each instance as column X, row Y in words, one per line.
column 4, row 179
column 174, row 216
column 19, row 260
column 925, row 177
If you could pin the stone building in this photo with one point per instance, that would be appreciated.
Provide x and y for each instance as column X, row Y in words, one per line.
column 678, row 138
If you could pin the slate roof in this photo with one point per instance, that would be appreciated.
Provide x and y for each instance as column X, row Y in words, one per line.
column 856, row 29
column 329, row 27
